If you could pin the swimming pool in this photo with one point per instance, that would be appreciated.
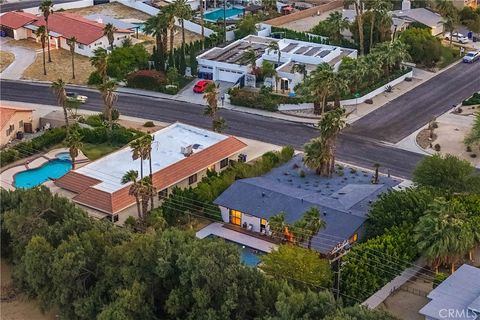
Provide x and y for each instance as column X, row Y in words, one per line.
column 218, row 14
column 52, row 169
column 248, row 256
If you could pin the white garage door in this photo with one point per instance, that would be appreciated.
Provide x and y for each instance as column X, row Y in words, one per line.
column 228, row 75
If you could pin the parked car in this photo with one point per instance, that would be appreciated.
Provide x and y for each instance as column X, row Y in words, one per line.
column 73, row 96
column 471, row 56
column 201, row 86
column 456, row 37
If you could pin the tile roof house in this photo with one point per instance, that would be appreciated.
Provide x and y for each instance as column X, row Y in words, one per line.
column 13, row 120
column 457, row 297
column 98, row 184
column 62, row 26
column 343, row 201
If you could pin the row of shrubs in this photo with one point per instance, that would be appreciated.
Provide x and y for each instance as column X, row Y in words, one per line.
column 473, row 100
column 263, row 100
column 25, row 149
column 151, row 80
column 200, row 199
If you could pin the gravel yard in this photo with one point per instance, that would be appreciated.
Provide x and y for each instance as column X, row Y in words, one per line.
column 113, row 9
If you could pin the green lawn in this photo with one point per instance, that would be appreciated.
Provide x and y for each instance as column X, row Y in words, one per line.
column 95, row 151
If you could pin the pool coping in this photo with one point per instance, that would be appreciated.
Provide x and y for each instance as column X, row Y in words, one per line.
column 227, row 18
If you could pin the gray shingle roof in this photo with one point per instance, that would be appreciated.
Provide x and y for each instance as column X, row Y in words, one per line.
column 422, row 15
column 460, row 292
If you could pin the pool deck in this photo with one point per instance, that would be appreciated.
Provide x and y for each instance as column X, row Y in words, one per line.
column 7, row 176
column 218, row 230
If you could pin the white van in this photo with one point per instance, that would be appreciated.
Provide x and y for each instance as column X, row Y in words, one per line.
column 456, row 37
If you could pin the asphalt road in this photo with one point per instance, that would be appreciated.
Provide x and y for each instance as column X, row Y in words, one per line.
column 409, row 112
column 25, row 4
column 351, row 149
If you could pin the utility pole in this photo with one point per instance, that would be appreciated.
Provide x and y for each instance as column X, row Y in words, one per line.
column 338, row 273
column 225, row 20
column 336, row 255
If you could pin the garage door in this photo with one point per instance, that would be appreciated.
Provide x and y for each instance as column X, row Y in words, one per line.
column 8, row 31
column 228, row 75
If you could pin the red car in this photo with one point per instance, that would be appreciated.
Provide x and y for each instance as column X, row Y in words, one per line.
column 201, row 86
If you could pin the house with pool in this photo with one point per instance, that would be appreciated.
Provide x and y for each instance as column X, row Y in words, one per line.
column 226, row 64
column 181, row 156
column 343, row 201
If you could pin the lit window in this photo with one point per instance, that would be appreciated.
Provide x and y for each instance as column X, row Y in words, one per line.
column 235, row 217
column 192, row 179
column 354, row 237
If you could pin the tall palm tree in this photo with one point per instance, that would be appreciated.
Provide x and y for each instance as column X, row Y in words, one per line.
column 58, row 88
column 359, row 8
column 74, row 143
column 41, row 33
column 337, row 23
column 277, row 224
column 389, row 55
column 380, row 9
column 148, row 191
column 135, row 189
column 211, row 110
column 147, row 145
column 444, row 233
column 99, row 62
column 156, row 26
column 273, row 46
column 355, row 70
column 140, row 150
column 109, row 31
column 313, row 223
column 46, row 8
column 169, row 16
column 449, row 25
column 316, row 154
column 183, row 12
column 109, row 97
column 71, row 43
column 202, row 24
column 249, row 57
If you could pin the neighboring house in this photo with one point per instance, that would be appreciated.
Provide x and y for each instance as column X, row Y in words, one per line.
column 14, row 120
column 181, row 156
column 119, row 24
column 343, row 201
column 225, row 64
column 457, row 297
column 62, row 26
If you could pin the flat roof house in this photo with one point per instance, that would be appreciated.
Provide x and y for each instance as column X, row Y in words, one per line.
column 13, row 120
column 343, row 201
column 181, row 156
column 62, row 26
column 458, row 297
column 225, row 64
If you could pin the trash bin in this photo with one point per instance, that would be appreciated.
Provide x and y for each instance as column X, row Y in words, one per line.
column 470, row 35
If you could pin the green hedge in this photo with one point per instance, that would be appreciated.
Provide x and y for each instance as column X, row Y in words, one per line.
column 120, row 135
column 25, row 149
column 199, row 200
column 263, row 101
column 475, row 99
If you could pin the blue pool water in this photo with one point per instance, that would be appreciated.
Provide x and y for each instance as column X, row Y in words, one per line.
column 63, row 156
column 34, row 177
column 218, row 14
column 249, row 256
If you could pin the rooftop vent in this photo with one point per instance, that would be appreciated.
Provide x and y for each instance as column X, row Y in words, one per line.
column 187, row 151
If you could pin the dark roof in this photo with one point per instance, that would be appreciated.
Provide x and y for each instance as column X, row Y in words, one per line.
column 344, row 199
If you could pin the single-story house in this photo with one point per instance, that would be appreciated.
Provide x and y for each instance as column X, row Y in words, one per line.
column 343, row 201
column 457, row 297
column 181, row 156
column 13, row 120
column 62, row 26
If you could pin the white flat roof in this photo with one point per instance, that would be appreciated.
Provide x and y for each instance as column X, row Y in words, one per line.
column 166, row 150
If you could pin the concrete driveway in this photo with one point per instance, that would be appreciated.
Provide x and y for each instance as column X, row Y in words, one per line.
column 23, row 59
column 187, row 94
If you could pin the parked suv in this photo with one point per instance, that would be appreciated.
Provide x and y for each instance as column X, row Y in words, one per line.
column 456, row 37
column 471, row 57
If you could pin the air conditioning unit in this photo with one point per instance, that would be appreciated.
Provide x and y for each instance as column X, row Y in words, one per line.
column 187, row 151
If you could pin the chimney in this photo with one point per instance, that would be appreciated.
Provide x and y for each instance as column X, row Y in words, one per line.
column 406, row 5
column 187, row 151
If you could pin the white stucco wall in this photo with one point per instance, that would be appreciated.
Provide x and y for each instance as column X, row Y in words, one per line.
column 225, row 214
column 254, row 221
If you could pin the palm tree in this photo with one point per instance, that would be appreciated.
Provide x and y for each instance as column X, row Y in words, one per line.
column 109, row 31
column 337, row 23
column 140, row 150
column 109, row 96
column 46, row 8
column 74, row 143
column 316, row 155
column 148, row 191
column 379, row 8
column 183, row 12
column 359, row 6
column 389, row 55
column 169, row 16
column 42, row 35
column 147, row 145
column 313, row 223
column 249, row 57
column 449, row 25
column 211, row 110
column 277, row 225
column 355, row 70
column 135, row 189
column 99, row 61
column 273, row 46
column 58, row 88
column 444, row 234
column 446, row 8
column 300, row 68
column 71, row 43
column 201, row 24
column 156, row 26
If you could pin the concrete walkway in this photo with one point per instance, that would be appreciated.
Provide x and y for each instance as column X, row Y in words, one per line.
column 23, row 59
column 218, row 230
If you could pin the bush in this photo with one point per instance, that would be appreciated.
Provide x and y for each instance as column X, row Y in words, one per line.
column 439, row 278
column 115, row 115
column 149, row 124
column 95, row 120
column 469, row 149
column 8, row 156
column 473, row 155
column 265, row 100
column 146, row 79
column 123, row 60
column 475, row 99
column 94, row 79
column 437, row 147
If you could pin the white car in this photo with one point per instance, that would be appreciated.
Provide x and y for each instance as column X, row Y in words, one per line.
column 73, row 96
column 471, row 56
column 456, row 37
